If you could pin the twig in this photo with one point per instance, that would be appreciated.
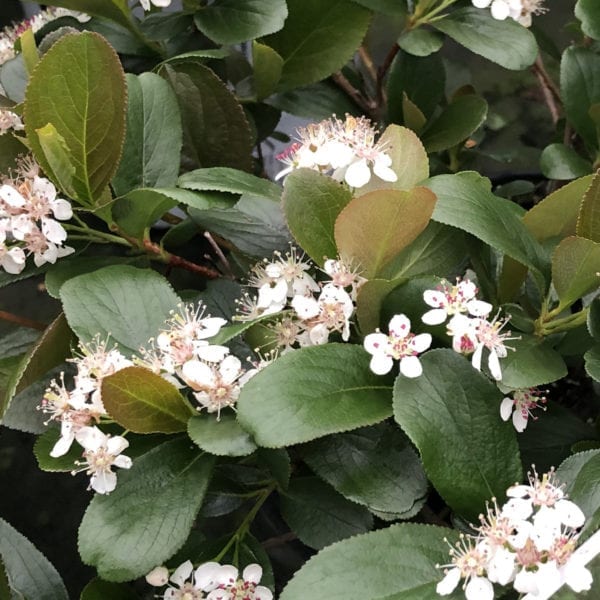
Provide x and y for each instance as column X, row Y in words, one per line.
column 219, row 253
column 177, row 261
column 367, row 61
column 366, row 105
column 381, row 73
column 23, row 321
column 279, row 540
column 549, row 89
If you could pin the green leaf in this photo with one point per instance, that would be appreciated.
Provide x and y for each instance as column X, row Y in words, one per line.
column 101, row 590
column 580, row 90
column 413, row 117
column 312, row 392
column 267, row 70
column 235, row 21
column 114, row 10
column 107, row 303
column 277, row 461
column 369, row 301
column 421, row 42
column 575, row 266
column 216, row 132
column 374, row 466
column 144, row 402
column 569, row 470
column 149, row 515
column 397, row 563
column 79, row 87
column 154, row 137
column 387, row 7
column 373, row 228
column 42, row 448
column 10, row 148
column 48, row 352
column 592, row 362
column 319, row 516
column 593, row 320
column 534, row 362
column 409, row 160
column 311, row 205
column 562, row 162
column 588, row 223
column 465, row 201
column 221, row 179
column 456, row 123
column 506, row 43
column 29, row 572
column 451, row 413
column 422, row 79
column 317, row 39
column 585, row 491
column 222, row 437
column 57, row 154
column 588, row 12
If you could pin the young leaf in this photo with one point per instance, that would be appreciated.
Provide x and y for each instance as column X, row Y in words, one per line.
column 235, row 21
column 506, row 43
column 374, row 466
column 562, row 162
column 588, row 12
column 317, row 39
column 143, row 402
column 216, row 132
column 311, row 204
column 319, row 516
column 451, row 413
column 80, row 70
column 107, row 303
column 373, row 228
column 312, row 392
column 397, row 563
column 149, row 515
column 588, row 223
column 223, row 437
column 421, row 42
column 153, row 140
column 29, row 572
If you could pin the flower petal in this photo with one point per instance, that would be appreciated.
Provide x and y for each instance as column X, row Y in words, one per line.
column 410, row 366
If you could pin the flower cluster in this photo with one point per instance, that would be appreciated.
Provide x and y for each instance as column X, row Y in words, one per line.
column 529, row 542
column 210, row 581
column 80, row 407
column 471, row 331
column 29, row 215
column 312, row 311
column 346, row 149
column 518, row 10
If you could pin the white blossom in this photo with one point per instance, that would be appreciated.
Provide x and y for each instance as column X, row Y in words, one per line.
column 158, row 3
column 518, row 10
column 520, row 406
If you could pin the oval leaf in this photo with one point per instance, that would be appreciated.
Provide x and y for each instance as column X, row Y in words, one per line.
column 562, row 162
column 149, row 516
column 311, row 392
column 588, row 222
column 224, row 437
column 80, row 70
column 452, row 414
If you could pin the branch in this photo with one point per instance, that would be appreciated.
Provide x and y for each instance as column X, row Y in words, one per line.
column 177, row 261
column 549, row 89
column 23, row 321
column 382, row 72
column 366, row 105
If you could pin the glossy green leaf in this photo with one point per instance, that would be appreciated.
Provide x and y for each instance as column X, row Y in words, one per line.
column 456, row 123
column 267, row 69
column 29, row 572
column 413, row 117
column 588, row 223
column 421, row 42
column 235, row 21
column 397, row 563
column 588, row 12
column 451, row 413
column 422, row 79
column 592, row 362
column 80, row 70
column 222, row 437
column 129, row 532
column 374, row 466
column 562, row 162
column 144, row 402
column 319, row 516
column 312, row 392
column 42, row 448
column 107, row 303
column 387, row 7
column 311, row 205
column 216, row 132
column 221, row 179
column 317, row 39
column 580, row 90
column 153, row 140
column 101, row 590
column 369, row 301
column 506, row 43
column 585, row 491
column 373, row 228
column 575, row 268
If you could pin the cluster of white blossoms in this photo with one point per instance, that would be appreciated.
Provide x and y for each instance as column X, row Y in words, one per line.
column 311, row 312
column 468, row 325
column 518, row 10
column 210, row 581
column 182, row 354
column 529, row 542
column 79, row 408
column 345, row 149
column 29, row 215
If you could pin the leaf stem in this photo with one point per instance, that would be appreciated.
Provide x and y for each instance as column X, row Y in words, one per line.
column 544, row 326
column 23, row 321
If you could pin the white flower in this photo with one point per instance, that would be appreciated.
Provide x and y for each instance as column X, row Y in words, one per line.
column 399, row 344
column 101, row 453
column 489, row 335
column 520, row 406
column 160, row 3
column 9, row 120
column 12, row 260
column 344, row 275
column 158, row 577
column 231, row 587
